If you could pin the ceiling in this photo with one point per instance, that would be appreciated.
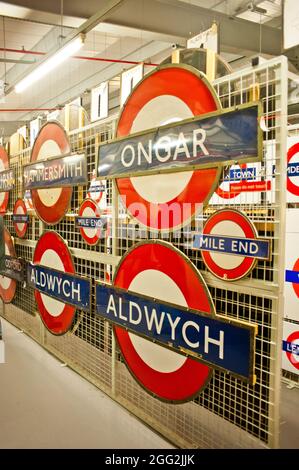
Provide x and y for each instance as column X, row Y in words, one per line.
column 137, row 30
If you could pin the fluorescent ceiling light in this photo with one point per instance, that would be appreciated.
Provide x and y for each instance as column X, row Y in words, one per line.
column 51, row 63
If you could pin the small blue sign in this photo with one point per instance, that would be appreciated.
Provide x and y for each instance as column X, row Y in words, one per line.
column 218, row 139
column 66, row 287
column 249, row 247
column 91, row 222
column 292, row 276
column 293, row 169
column 97, row 188
column 241, row 174
column 70, row 170
column 291, row 348
column 20, row 218
column 7, row 180
column 224, row 344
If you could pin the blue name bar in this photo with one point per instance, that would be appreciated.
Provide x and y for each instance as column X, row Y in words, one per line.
column 207, row 141
column 20, row 218
column 7, row 180
column 292, row 348
column 67, row 288
column 70, row 170
column 242, row 174
column 253, row 248
column 292, row 276
column 91, row 222
column 219, row 343
column 293, row 169
column 100, row 188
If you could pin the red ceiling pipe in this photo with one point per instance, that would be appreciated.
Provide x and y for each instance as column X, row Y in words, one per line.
column 99, row 59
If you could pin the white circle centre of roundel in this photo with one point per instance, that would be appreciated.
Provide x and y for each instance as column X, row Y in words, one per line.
column 295, row 357
column 5, row 281
column 230, row 229
column 51, row 259
column 2, row 194
column 294, row 178
column 20, row 211
column 161, row 110
column 88, row 212
column 50, row 196
column 158, row 285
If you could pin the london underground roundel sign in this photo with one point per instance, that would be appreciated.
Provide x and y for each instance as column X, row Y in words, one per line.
column 230, row 246
column 292, row 349
column 168, row 94
column 91, row 229
column 51, row 204
column 159, row 270
column 52, row 252
column 4, row 165
column 7, row 285
column 20, row 218
column 292, row 173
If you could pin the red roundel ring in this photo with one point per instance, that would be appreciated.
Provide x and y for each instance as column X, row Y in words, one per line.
column 291, row 187
column 291, row 338
column 230, row 194
column 4, row 165
column 161, row 271
column 168, row 94
column 20, row 209
column 95, row 195
column 51, row 204
column 51, row 251
column 8, row 286
column 294, row 284
column 89, row 208
column 247, row 230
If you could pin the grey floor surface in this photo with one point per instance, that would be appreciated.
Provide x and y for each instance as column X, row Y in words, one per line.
column 44, row 405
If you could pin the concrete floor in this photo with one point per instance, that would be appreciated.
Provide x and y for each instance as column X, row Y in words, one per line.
column 44, row 405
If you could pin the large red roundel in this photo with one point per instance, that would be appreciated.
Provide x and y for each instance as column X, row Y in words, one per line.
column 294, row 359
column 51, row 204
column 4, row 165
column 293, row 153
column 159, row 270
column 51, row 251
column 168, row 94
column 7, row 285
column 230, row 223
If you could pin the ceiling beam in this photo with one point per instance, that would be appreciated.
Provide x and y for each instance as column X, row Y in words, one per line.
column 174, row 19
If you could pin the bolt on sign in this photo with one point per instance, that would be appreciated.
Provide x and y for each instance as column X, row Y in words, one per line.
column 172, row 139
column 230, row 246
column 20, row 218
column 7, row 180
column 166, row 325
column 58, row 290
column 52, row 172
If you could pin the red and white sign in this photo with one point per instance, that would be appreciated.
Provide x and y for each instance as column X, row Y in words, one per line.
column 293, row 169
column 4, row 165
column 242, row 185
column 291, row 292
column 89, row 209
column 168, row 94
column 97, row 190
column 51, row 204
column 229, row 223
column 28, row 200
column 20, row 210
column 290, row 353
column 8, row 286
column 160, row 271
column 52, row 252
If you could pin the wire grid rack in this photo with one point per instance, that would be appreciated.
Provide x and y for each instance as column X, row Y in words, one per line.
column 228, row 413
